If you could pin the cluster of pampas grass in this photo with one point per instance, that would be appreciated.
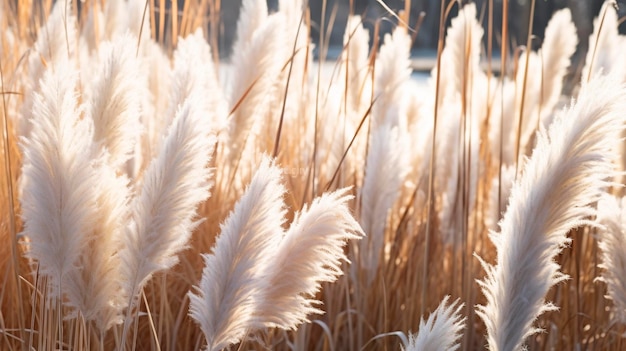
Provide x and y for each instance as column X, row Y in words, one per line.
column 259, row 276
column 156, row 198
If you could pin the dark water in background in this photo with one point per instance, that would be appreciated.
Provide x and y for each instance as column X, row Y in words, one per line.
column 583, row 12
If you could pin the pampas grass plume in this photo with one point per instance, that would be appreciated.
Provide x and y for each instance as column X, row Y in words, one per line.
column 384, row 171
column 612, row 244
column 96, row 291
column 557, row 48
column 566, row 173
column 255, row 70
column 57, row 202
column 174, row 184
column 194, row 71
column 311, row 252
column 461, row 54
column 441, row 331
column 225, row 302
column 49, row 49
column 605, row 54
column 356, row 40
column 114, row 100
column 252, row 15
column 393, row 71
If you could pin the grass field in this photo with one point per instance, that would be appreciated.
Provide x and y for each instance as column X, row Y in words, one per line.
column 149, row 202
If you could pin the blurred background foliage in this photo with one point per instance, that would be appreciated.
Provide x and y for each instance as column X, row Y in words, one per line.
column 337, row 11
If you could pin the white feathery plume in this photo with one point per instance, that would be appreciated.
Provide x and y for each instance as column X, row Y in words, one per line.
column 174, row 184
column 55, row 42
column 559, row 44
column 96, row 292
column 294, row 81
column 114, row 100
column 356, row 41
column 58, row 179
column 448, row 160
column 255, row 70
column 253, row 14
column 441, row 331
column 458, row 150
column 294, row 12
column 135, row 19
column 605, row 52
column 334, row 132
column 541, row 91
column 567, row 172
column 385, row 167
column 391, row 74
column 612, row 244
column 311, row 252
column 461, row 55
column 226, row 300
column 462, row 109
column 253, row 53
column 92, row 31
column 385, row 170
column 114, row 19
column 194, row 70
column 351, row 91
column 421, row 133
column 156, row 81
column 292, row 9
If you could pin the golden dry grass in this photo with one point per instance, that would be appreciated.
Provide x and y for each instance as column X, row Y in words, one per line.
column 322, row 146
